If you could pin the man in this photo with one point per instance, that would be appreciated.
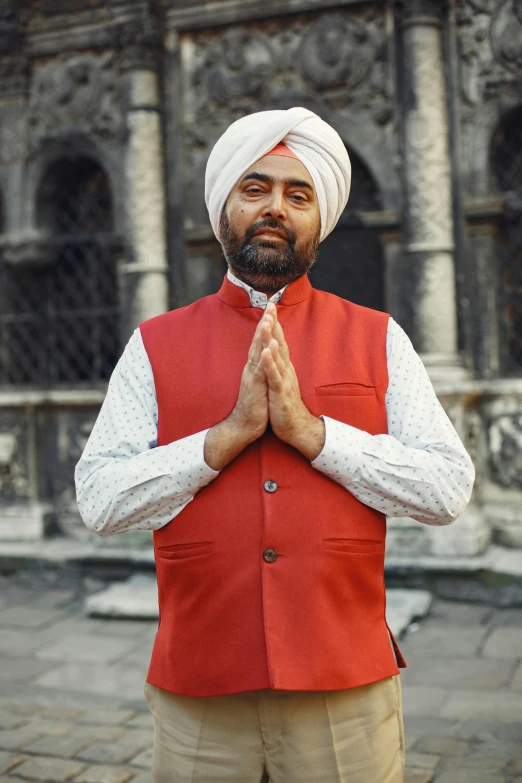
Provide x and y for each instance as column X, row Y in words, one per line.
column 263, row 433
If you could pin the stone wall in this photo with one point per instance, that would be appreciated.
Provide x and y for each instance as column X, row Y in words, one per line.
column 417, row 92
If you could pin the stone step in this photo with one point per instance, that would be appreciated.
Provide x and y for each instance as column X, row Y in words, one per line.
column 137, row 597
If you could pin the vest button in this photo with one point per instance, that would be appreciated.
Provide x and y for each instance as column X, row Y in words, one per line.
column 270, row 486
column 270, row 555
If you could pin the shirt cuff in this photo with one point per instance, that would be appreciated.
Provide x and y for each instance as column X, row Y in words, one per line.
column 342, row 454
column 188, row 462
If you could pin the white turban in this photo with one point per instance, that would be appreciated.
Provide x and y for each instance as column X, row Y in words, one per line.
column 317, row 145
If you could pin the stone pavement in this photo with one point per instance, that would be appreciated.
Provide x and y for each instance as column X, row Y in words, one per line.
column 72, row 705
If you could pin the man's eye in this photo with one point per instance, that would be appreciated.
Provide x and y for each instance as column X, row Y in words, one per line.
column 254, row 190
column 298, row 197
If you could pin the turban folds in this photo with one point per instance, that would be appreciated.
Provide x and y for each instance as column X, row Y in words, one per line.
column 317, row 145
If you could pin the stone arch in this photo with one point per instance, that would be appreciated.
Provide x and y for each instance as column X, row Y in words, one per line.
column 70, row 149
column 63, row 299
column 74, row 196
column 375, row 157
column 482, row 130
column 351, row 260
column 505, row 158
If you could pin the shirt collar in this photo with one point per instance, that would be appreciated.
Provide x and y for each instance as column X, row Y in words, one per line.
column 257, row 298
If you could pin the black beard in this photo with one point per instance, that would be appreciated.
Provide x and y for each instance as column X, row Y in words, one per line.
column 266, row 266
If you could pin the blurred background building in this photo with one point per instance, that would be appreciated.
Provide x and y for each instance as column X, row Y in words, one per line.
column 108, row 111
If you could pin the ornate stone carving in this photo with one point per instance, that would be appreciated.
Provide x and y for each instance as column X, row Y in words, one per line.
column 139, row 42
column 14, row 75
column 236, row 65
column 331, row 62
column 506, row 34
column 490, row 49
column 337, row 51
column 242, row 69
column 505, row 447
column 72, row 434
column 75, row 95
column 14, row 478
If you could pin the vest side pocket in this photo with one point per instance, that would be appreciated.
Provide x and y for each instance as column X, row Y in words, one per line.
column 184, row 551
column 353, row 546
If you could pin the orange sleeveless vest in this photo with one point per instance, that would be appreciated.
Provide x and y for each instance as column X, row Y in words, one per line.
column 273, row 575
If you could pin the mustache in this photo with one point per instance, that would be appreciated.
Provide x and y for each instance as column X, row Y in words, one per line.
column 269, row 223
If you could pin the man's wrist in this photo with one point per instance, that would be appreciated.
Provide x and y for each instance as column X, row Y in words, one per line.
column 309, row 436
column 225, row 441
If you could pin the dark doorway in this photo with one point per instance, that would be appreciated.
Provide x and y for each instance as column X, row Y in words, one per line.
column 350, row 262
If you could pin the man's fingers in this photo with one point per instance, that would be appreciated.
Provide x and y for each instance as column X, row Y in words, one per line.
column 272, row 373
column 261, row 338
column 278, row 334
column 281, row 365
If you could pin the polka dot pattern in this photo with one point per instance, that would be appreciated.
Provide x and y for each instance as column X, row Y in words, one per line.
column 125, row 481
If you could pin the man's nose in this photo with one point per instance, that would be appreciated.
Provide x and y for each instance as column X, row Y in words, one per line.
column 276, row 207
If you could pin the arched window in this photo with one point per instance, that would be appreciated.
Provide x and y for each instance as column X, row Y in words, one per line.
column 61, row 313
column 506, row 160
column 350, row 262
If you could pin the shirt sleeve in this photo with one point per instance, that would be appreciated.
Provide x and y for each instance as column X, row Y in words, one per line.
column 124, row 480
column 420, row 469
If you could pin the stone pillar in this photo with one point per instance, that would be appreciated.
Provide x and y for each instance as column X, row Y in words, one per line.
column 145, row 272
column 428, row 308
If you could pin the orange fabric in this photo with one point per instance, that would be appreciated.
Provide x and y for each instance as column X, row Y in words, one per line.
column 314, row 619
column 282, row 149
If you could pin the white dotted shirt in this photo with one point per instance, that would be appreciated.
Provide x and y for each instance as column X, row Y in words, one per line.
column 420, row 469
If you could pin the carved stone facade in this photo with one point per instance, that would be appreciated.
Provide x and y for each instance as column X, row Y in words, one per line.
column 75, row 94
column 338, row 64
column 422, row 93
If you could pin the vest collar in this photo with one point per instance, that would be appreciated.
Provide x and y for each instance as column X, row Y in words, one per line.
column 294, row 293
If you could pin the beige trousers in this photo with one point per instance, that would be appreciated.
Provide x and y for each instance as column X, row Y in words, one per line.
column 350, row 736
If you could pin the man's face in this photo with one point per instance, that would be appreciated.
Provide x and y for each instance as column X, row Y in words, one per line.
column 271, row 224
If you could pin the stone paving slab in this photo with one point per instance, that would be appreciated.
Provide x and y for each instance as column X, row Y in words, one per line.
column 27, row 617
column 420, row 700
column 468, row 705
column 85, row 648
column 108, row 752
column 444, row 640
column 415, row 775
column 22, row 669
column 80, row 676
column 504, row 643
column 62, row 747
column 105, row 773
column 467, row 673
column 8, row 761
column 48, row 769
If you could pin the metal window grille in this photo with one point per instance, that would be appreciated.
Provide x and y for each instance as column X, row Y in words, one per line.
column 507, row 169
column 59, row 322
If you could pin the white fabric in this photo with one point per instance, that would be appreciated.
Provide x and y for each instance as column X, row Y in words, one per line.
column 317, row 145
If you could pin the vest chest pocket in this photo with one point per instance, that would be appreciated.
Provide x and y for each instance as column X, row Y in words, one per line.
column 345, row 390
column 352, row 403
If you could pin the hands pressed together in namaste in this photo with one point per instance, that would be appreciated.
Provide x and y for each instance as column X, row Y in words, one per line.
column 269, row 391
